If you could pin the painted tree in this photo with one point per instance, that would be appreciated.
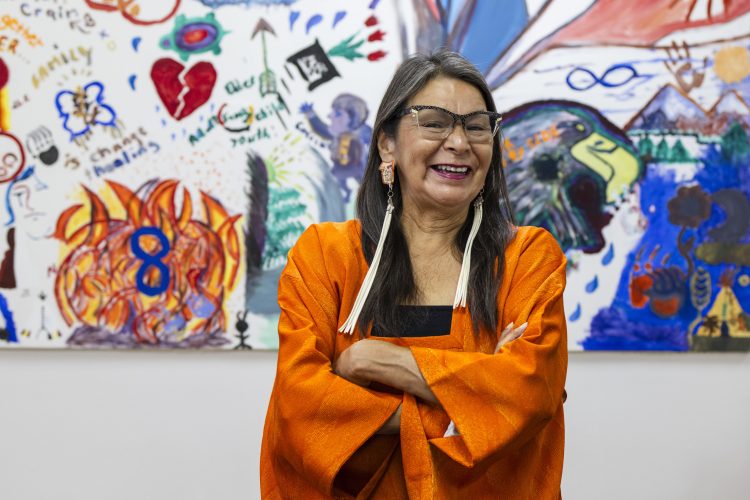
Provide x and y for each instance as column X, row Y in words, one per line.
column 700, row 296
column 689, row 208
column 679, row 154
column 735, row 145
column 646, row 148
column 283, row 226
column 662, row 151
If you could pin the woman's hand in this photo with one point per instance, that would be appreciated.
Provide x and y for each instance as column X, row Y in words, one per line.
column 360, row 362
column 351, row 364
column 510, row 334
column 378, row 361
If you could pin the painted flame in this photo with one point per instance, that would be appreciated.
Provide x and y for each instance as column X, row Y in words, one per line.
column 96, row 280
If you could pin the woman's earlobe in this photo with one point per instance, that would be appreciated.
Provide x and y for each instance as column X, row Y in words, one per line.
column 386, row 147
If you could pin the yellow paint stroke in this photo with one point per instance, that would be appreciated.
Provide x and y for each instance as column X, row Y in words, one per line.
column 4, row 109
column 616, row 165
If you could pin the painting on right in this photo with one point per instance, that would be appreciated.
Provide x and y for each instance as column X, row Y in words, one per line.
column 625, row 134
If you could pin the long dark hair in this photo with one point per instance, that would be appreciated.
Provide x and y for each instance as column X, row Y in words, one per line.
column 394, row 283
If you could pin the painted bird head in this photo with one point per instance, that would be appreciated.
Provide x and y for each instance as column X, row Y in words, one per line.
column 567, row 169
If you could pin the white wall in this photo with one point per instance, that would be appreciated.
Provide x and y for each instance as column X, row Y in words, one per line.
column 81, row 425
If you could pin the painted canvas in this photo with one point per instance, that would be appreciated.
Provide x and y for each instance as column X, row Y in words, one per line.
column 159, row 159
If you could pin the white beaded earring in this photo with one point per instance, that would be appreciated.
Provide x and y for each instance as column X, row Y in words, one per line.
column 387, row 176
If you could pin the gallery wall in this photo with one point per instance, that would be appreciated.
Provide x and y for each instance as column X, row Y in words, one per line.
column 187, row 425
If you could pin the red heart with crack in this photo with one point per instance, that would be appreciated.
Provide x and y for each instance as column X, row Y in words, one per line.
column 183, row 93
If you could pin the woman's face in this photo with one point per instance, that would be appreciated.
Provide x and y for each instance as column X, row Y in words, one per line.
column 421, row 163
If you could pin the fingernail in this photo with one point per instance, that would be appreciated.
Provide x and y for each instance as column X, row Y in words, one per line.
column 523, row 327
column 510, row 325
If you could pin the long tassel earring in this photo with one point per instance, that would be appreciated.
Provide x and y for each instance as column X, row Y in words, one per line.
column 387, row 176
column 462, row 290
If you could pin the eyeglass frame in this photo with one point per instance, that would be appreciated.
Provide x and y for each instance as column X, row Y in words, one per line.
column 497, row 117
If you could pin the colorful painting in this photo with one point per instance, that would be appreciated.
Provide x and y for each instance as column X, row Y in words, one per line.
column 159, row 159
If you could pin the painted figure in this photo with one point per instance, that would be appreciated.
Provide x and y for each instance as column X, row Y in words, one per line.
column 349, row 136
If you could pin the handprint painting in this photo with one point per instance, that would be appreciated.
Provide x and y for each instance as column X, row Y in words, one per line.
column 161, row 160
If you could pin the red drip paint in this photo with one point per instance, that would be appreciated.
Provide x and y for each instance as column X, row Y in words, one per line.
column 376, row 37
column 374, row 56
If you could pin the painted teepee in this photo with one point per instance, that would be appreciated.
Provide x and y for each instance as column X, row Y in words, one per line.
column 726, row 318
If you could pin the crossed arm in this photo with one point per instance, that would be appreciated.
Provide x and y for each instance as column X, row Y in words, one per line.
column 369, row 361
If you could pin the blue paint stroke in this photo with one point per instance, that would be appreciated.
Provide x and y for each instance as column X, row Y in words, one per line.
column 592, row 285
column 312, row 22
column 10, row 325
column 576, row 314
column 613, row 330
column 135, row 42
column 131, row 81
column 150, row 261
column 607, row 259
column 293, row 16
column 27, row 172
column 68, row 107
column 338, row 17
column 373, row 4
column 471, row 28
column 616, row 75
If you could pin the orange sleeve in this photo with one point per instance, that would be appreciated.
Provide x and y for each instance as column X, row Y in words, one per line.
column 500, row 401
column 319, row 419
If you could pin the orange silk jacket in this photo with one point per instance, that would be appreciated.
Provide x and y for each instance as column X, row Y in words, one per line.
column 319, row 438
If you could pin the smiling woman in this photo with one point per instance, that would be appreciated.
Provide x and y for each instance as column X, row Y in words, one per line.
column 395, row 375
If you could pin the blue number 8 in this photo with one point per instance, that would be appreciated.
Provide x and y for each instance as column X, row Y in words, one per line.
column 150, row 260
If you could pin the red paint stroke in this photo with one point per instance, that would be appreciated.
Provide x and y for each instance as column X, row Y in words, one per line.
column 122, row 6
column 666, row 307
column 4, row 73
column 640, row 22
column 432, row 6
column 374, row 56
column 376, row 37
column 195, row 36
column 639, row 287
column 8, row 172
column 371, row 21
column 167, row 75
column 218, row 114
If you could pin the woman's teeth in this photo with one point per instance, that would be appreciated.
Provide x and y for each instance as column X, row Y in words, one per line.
column 446, row 168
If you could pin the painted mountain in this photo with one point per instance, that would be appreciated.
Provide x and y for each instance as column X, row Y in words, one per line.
column 671, row 110
column 730, row 108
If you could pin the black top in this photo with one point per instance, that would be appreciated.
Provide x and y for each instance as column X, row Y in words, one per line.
column 421, row 321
